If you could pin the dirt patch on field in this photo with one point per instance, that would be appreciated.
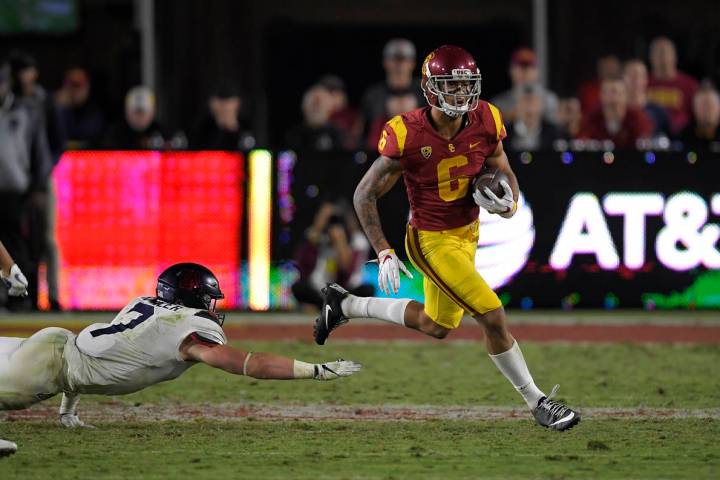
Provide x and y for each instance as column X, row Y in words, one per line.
column 116, row 412
column 525, row 332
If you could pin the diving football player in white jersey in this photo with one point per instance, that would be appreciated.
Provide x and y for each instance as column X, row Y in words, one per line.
column 153, row 339
column 16, row 284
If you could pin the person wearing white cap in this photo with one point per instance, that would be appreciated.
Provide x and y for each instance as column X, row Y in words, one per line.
column 399, row 61
column 139, row 130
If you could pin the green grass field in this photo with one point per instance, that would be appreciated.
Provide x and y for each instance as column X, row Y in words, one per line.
column 674, row 435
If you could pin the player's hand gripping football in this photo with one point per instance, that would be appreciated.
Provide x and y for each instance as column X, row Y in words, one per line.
column 504, row 206
column 333, row 370
column 389, row 271
column 15, row 282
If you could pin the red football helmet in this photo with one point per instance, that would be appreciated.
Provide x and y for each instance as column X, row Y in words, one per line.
column 451, row 80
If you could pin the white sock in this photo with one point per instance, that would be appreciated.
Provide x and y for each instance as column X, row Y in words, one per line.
column 512, row 365
column 387, row 309
column 69, row 403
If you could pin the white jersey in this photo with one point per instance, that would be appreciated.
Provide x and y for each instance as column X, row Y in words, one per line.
column 139, row 348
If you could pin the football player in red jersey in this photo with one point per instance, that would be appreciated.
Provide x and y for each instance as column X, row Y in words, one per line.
column 438, row 150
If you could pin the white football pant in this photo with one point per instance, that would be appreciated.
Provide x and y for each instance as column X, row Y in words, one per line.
column 32, row 369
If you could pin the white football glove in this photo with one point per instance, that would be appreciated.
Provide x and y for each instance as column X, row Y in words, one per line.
column 15, row 282
column 333, row 370
column 504, row 206
column 389, row 267
column 70, row 420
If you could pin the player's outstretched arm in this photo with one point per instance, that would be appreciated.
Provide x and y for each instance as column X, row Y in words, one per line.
column 260, row 365
column 11, row 275
column 378, row 180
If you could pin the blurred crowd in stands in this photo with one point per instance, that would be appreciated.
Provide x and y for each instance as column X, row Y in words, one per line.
column 630, row 104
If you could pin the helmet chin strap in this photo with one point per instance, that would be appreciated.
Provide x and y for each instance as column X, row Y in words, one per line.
column 448, row 112
column 451, row 113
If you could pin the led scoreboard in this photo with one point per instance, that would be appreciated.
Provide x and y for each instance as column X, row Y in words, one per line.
column 124, row 216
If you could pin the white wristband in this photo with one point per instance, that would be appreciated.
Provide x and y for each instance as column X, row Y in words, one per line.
column 245, row 363
column 303, row 370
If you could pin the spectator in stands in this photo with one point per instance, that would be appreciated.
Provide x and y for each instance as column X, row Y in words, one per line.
column 530, row 131
column 395, row 104
column 703, row 131
column 25, row 164
column 615, row 119
column 30, row 94
column 139, row 129
column 223, row 128
column 81, row 120
column 399, row 60
column 569, row 117
column 669, row 87
column 607, row 66
column 636, row 79
column 315, row 133
column 343, row 117
column 524, row 70
column 334, row 250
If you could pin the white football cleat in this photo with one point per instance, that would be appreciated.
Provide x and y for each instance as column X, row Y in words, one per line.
column 7, row 448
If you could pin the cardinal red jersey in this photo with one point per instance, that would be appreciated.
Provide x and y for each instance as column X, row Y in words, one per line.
column 438, row 172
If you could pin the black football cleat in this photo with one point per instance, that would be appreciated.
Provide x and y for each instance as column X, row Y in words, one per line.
column 331, row 315
column 554, row 415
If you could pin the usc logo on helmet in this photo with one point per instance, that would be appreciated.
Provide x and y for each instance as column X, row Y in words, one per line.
column 425, row 63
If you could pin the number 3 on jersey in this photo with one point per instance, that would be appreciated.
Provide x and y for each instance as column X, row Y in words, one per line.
column 446, row 180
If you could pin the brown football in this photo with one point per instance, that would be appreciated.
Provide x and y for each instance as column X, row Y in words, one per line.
column 490, row 179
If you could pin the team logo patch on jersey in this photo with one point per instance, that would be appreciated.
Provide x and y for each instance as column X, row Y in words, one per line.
column 426, row 151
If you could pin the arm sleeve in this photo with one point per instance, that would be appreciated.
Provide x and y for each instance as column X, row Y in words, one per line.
column 206, row 330
column 392, row 139
column 498, row 127
column 205, row 340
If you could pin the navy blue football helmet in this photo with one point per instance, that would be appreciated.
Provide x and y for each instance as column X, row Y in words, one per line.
column 191, row 285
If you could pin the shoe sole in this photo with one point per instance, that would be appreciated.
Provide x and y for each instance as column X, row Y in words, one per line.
column 572, row 424
column 6, row 452
column 320, row 329
column 316, row 331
